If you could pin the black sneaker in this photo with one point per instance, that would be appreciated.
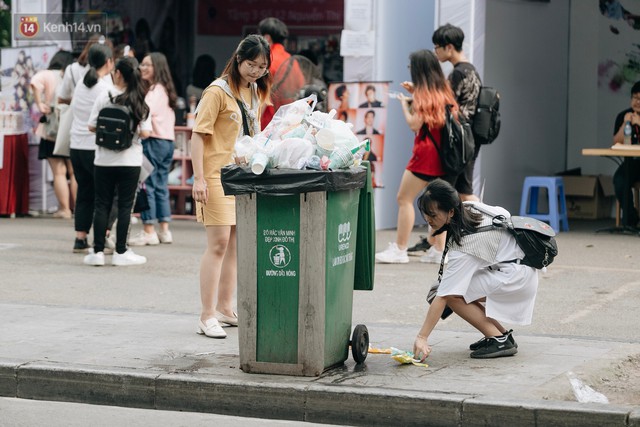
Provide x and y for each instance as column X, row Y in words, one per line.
column 422, row 246
column 476, row 345
column 80, row 246
column 493, row 348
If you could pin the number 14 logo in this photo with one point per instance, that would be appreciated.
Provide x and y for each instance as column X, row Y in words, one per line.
column 29, row 26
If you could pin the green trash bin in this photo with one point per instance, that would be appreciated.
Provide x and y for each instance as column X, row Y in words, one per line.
column 296, row 234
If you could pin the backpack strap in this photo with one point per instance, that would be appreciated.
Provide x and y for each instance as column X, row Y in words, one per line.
column 500, row 221
column 245, row 120
column 427, row 132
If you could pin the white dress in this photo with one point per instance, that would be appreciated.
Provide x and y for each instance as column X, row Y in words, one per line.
column 510, row 288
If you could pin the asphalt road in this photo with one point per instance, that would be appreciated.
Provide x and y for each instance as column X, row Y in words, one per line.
column 38, row 413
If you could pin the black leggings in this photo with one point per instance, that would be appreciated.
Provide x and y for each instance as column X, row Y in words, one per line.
column 107, row 180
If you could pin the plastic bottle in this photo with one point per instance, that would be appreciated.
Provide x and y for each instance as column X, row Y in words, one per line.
column 627, row 133
column 181, row 108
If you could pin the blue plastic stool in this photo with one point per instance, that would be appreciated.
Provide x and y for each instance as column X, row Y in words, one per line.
column 557, row 205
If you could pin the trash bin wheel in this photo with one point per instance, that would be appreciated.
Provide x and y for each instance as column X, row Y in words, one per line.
column 360, row 343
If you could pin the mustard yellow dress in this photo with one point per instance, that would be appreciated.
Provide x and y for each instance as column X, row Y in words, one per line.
column 219, row 121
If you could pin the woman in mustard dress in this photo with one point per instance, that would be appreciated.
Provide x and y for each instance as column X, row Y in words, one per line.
column 219, row 122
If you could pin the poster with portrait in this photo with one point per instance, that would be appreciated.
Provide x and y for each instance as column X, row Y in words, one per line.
column 19, row 65
column 364, row 106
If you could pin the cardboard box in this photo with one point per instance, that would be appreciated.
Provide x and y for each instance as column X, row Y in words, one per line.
column 589, row 196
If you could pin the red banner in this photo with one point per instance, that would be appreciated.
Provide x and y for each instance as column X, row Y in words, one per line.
column 232, row 17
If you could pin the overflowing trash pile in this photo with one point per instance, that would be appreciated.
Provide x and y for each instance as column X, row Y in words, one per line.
column 299, row 138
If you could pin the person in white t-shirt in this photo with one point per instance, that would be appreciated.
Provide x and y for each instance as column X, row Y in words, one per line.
column 75, row 72
column 119, row 169
column 484, row 282
column 83, row 145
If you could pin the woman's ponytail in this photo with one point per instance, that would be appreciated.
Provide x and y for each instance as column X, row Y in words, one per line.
column 98, row 56
column 135, row 92
column 91, row 78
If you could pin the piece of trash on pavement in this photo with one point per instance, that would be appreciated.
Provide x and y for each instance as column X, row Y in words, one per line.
column 405, row 357
column 374, row 350
column 584, row 393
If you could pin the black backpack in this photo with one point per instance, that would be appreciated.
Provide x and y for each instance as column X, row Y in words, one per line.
column 486, row 122
column 535, row 238
column 456, row 143
column 114, row 129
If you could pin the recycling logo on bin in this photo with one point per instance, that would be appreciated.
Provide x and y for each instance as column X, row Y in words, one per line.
column 344, row 243
column 280, row 256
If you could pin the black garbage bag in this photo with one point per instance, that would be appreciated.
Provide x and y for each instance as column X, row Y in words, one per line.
column 240, row 180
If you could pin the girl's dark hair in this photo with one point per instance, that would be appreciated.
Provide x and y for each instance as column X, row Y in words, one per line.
column 440, row 195
column 340, row 90
column 61, row 60
column 162, row 75
column 133, row 96
column 204, row 71
column 275, row 28
column 99, row 54
column 448, row 34
column 250, row 48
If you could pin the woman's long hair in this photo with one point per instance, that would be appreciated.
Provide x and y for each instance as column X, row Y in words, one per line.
column 133, row 96
column 162, row 75
column 99, row 54
column 250, row 48
column 440, row 195
column 61, row 60
column 432, row 92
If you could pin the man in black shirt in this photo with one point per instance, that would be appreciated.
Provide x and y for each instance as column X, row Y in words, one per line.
column 465, row 82
column 621, row 183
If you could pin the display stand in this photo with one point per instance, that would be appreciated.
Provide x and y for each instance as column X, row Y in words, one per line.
column 182, row 206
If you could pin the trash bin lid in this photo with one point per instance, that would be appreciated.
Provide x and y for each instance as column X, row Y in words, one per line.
column 240, row 180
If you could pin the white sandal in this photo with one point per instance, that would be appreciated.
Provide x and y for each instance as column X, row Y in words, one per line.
column 230, row 321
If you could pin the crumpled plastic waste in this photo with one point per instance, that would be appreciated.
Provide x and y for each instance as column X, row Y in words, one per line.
column 295, row 134
column 374, row 350
column 584, row 393
column 405, row 358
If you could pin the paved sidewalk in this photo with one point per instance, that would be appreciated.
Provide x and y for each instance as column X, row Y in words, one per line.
column 76, row 349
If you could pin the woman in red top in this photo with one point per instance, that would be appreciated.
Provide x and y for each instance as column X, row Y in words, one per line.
column 430, row 95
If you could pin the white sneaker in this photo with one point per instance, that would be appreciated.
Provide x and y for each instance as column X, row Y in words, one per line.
column 127, row 258
column 94, row 259
column 143, row 239
column 433, row 256
column 165, row 236
column 211, row 328
column 393, row 255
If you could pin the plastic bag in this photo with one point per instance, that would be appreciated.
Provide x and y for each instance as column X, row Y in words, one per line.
column 291, row 151
column 289, row 116
column 244, row 149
